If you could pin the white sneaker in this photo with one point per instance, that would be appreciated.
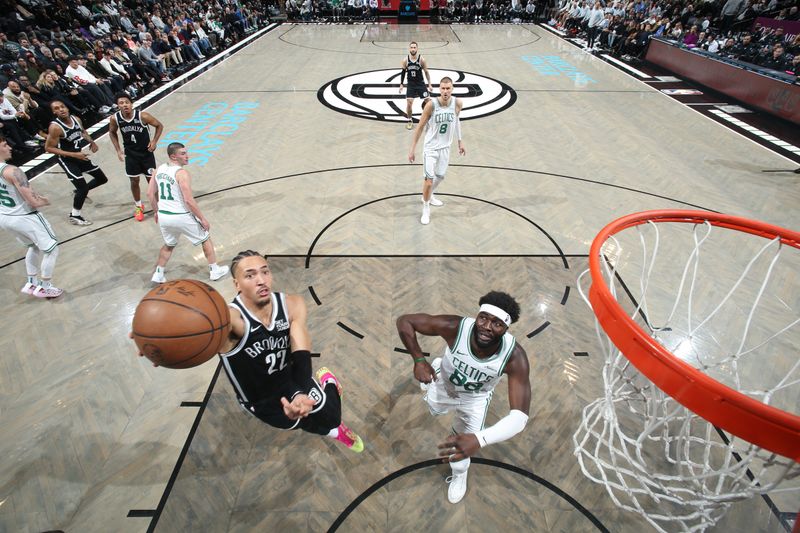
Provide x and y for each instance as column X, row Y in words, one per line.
column 457, row 488
column 217, row 273
column 28, row 288
column 49, row 292
column 426, row 214
column 435, row 201
column 77, row 220
column 158, row 277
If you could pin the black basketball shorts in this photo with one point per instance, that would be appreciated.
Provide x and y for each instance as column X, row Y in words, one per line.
column 416, row 92
column 75, row 168
column 140, row 164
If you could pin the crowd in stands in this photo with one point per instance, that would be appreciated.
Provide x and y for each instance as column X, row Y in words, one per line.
column 82, row 52
column 723, row 28
column 623, row 28
column 332, row 10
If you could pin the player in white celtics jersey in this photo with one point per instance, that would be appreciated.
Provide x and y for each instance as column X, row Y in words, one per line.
column 19, row 215
column 479, row 351
column 441, row 123
column 176, row 212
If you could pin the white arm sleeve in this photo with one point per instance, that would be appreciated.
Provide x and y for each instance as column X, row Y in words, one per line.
column 506, row 427
column 457, row 128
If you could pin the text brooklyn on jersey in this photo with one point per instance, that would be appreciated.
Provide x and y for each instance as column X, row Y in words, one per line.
column 375, row 95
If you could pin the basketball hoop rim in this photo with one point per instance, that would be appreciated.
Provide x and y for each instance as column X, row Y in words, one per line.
column 761, row 424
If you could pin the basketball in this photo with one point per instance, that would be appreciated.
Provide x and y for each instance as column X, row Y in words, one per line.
column 181, row 323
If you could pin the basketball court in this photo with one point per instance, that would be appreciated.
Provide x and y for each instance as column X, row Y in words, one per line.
column 298, row 150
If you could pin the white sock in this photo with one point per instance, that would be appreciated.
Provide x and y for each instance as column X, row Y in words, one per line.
column 333, row 433
column 159, row 269
column 33, row 280
column 426, row 203
column 460, row 467
column 138, row 203
column 76, row 212
column 45, row 283
column 212, row 266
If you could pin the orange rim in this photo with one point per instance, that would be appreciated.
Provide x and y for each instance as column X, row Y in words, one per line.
column 756, row 422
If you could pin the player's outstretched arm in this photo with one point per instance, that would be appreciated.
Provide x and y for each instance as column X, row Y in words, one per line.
column 445, row 326
column 237, row 329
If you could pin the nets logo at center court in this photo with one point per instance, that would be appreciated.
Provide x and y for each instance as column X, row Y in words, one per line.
column 375, row 95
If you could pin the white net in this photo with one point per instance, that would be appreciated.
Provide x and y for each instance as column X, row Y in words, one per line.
column 727, row 303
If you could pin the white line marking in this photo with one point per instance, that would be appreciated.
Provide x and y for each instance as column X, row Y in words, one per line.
column 764, row 135
column 629, row 68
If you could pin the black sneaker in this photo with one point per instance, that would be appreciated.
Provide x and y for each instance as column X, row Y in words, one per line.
column 77, row 220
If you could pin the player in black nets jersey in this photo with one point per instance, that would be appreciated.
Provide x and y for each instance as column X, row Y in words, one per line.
column 267, row 358
column 414, row 66
column 68, row 140
column 134, row 126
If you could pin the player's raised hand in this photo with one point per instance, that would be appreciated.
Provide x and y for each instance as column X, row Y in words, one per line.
column 299, row 407
column 458, row 447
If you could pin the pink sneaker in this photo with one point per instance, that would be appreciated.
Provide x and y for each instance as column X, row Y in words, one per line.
column 324, row 375
column 349, row 438
column 49, row 292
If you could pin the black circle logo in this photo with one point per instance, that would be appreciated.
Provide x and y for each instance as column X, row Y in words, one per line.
column 375, row 95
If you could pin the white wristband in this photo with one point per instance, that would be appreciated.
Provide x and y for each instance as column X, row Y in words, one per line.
column 458, row 128
column 504, row 429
